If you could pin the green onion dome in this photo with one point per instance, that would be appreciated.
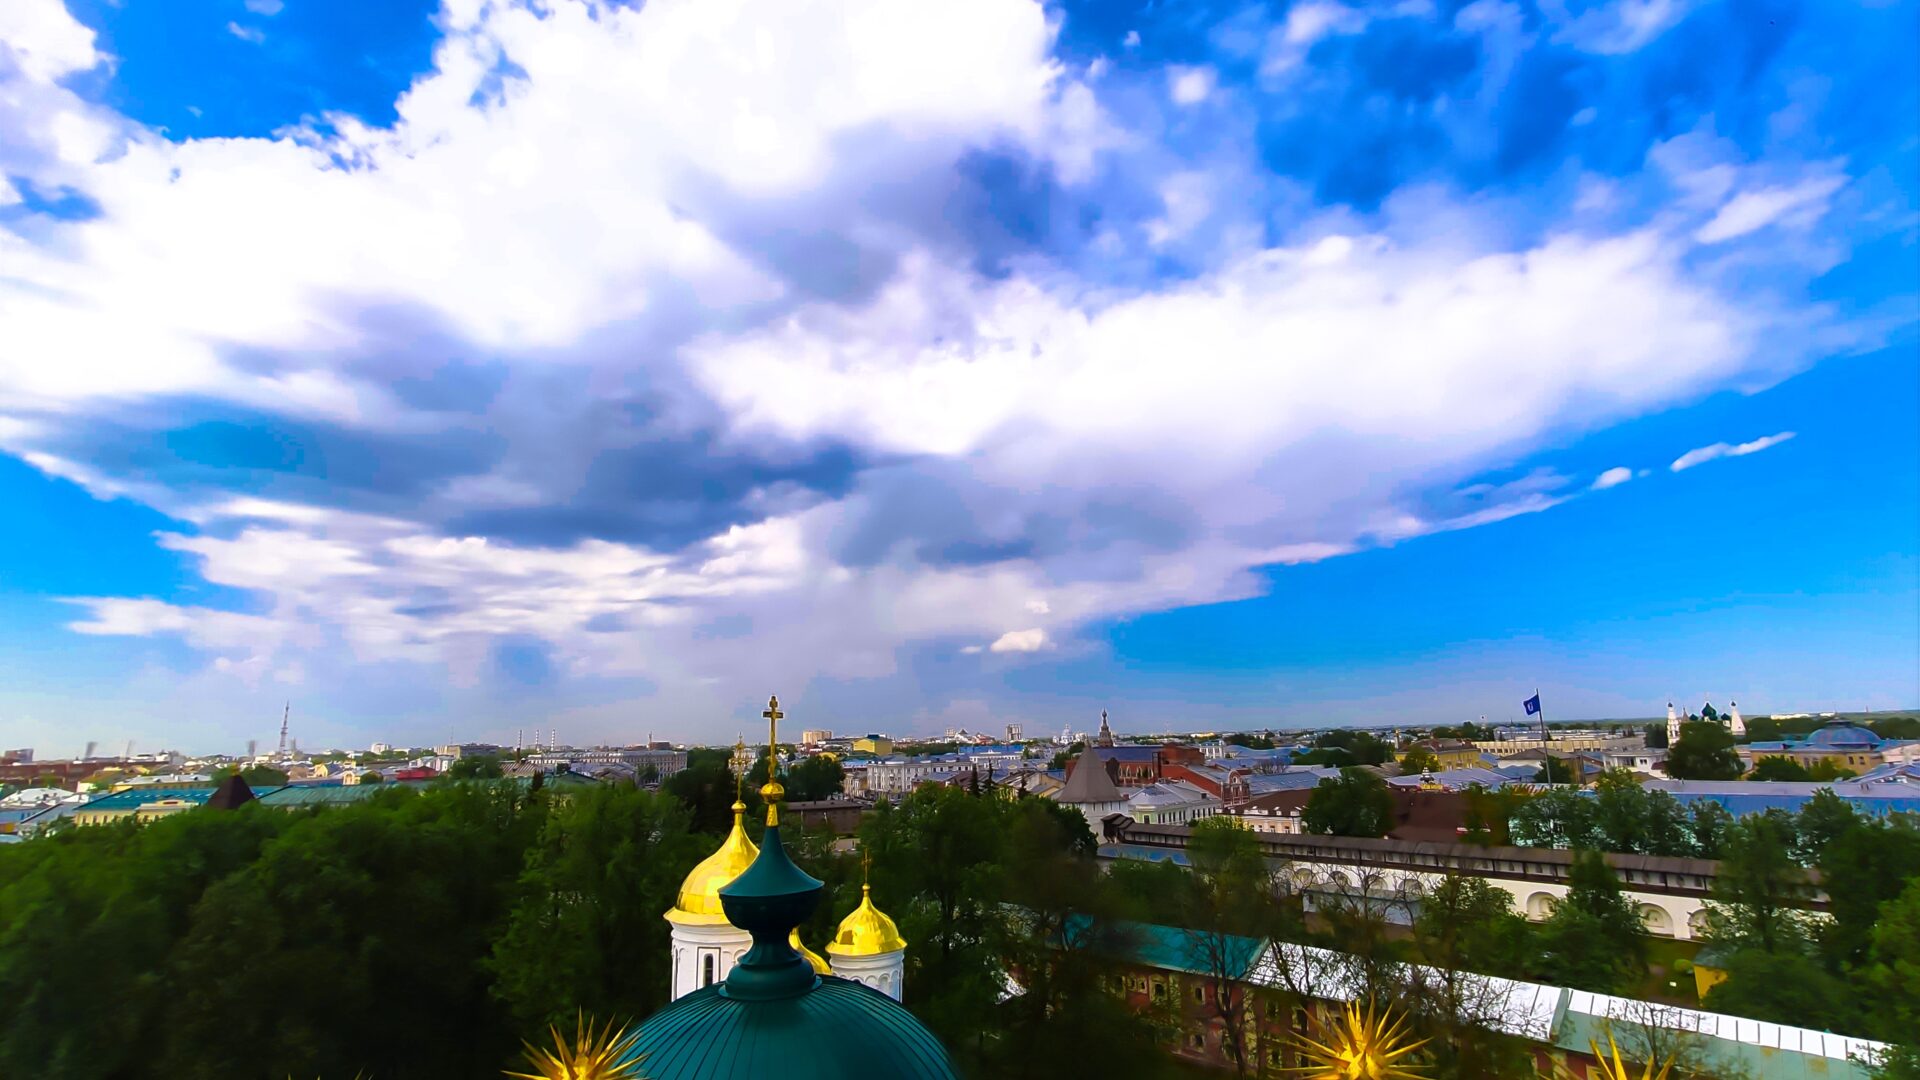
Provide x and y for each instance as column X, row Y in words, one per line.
column 837, row 1029
column 775, row 1017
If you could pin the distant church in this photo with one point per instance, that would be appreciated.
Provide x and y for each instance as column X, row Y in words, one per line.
column 1731, row 720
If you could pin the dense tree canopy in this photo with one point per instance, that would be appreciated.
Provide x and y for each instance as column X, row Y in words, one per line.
column 1774, row 767
column 1356, row 803
column 353, row 938
column 1704, row 752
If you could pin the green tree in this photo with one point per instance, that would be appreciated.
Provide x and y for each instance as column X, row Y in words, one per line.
column 1233, row 910
column 1703, row 752
column 816, row 777
column 86, row 920
column 1758, row 890
column 1707, row 825
column 1785, row 988
column 1061, row 931
column 1559, row 818
column 584, row 931
column 1593, row 940
column 1773, row 767
column 475, row 767
column 1556, row 771
column 1892, row 977
column 1418, row 760
column 358, row 928
column 1356, row 803
column 1895, row 727
column 1827, row 770
column 943, row 849
column 708, row 786
column 1819, row 823
column 1467, row 925
column 1490, row 813
column 1629, row 819
column 1863, row 869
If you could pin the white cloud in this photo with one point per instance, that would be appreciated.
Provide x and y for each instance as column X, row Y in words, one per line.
column 1189, row 85
column 1704, row 454
column 631, row 213
column 1613, row 477
column 1305, row 25
column 247, row 33
column 1020, row 641
column 1798, row 205
column 1621, row 27
column 453, row 211
column 265, row 7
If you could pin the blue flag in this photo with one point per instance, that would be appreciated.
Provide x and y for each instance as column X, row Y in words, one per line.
column 1532, row 704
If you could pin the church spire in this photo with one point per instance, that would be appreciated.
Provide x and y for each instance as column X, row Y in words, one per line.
column 1105, row 738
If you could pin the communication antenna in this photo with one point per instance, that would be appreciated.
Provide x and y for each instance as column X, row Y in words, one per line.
column 284, row 714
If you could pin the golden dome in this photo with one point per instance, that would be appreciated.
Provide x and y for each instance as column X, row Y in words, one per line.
column 866, row 932
column 820, row 965
column 699, row 899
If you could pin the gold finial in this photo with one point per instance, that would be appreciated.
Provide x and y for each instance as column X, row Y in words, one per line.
column 772, row 791
column 866, row 870
column 740, row 766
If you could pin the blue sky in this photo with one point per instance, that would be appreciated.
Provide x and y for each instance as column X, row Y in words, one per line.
column 456, row 370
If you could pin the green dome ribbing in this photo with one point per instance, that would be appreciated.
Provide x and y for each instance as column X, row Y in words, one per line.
column 838, row 1029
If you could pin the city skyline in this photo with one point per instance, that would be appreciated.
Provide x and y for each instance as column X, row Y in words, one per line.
column 435, row 369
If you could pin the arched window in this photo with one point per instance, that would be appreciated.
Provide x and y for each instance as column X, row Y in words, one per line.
column 706, row 970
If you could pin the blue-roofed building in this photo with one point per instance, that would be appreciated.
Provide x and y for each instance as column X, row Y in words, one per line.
column 1901, row 772
column 1459, row 779
column 1838, row 742
column 141, row 804
column 1743, row 797
column 1306, row 776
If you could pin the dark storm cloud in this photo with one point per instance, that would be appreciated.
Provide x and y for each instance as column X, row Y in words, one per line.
column 939, row 513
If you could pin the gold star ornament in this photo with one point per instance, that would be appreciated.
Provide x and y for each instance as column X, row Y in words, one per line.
column 1365, row 1046
column 593, row 1054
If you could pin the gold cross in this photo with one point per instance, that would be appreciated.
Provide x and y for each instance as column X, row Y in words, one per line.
column 773, row 715
column 740, row 767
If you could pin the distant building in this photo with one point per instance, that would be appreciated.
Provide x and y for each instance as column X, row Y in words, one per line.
column 877, row 745
column 840, row 815
column 815, row 736
column 1091, row 791
column 1845, row 744
column 1454, row 779
column 1876, row 798
column 664, row 762
column 1450, row 753
column 140, row 804
column 1172, row 802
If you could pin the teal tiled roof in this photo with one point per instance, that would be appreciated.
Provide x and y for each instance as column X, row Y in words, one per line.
column 134, row 798
column 840, row 1029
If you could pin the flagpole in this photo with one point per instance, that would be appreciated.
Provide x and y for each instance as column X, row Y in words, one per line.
column 1542, row 709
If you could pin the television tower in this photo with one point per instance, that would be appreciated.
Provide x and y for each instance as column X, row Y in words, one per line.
column 284, row 714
